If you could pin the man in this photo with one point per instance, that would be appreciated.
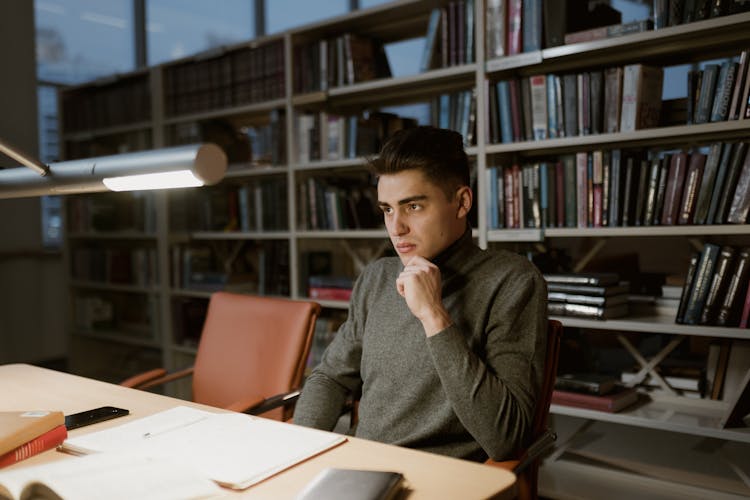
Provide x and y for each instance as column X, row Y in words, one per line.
column 446, row 341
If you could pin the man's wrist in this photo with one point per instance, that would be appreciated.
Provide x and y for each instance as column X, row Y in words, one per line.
column 436, row 322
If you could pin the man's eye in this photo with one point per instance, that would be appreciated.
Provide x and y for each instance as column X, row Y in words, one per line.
column 414, row 206
column 386, row 210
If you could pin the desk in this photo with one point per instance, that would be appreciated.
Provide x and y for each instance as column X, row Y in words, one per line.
column 429, row 476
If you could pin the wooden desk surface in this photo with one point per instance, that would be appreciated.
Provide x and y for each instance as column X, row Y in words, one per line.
column 429, row 476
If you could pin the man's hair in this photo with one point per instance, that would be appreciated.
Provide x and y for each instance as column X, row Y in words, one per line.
column 438, row 153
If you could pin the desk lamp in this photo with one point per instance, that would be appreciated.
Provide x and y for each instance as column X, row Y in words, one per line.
column 182, row 166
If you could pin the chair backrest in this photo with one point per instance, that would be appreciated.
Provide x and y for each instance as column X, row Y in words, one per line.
column 527, row 478
column 252, row 345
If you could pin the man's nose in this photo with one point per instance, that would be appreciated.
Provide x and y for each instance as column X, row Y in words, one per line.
column 398, row 225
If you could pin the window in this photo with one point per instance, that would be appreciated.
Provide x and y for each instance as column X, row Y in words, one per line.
column 177, row 28
column 79, row 40
column 279, row 15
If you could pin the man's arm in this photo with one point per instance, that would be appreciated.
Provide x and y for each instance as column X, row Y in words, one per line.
column 328, row 387
column 493, row 396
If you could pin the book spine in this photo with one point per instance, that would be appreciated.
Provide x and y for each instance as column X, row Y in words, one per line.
column 693, row 179
column 718, row 284
column 730, row 306
column 700, row 289
column 732, row 176
column 740, row 205
column 39, row 444
column 707, row 184
column 687, row 287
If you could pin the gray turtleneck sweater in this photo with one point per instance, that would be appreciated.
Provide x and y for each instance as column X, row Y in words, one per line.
column 468, row 391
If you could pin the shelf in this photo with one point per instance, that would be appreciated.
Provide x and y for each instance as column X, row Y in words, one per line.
column 696, row 417
column 119, row 337
column 344, row 234
column 645, row 323
column 331, row 304
column 87, row 135
column 593, row 232
column 113, row 235
column 515, row 235
column 239, row 235
column 513, row 62
column 346, row 163
column 258, row 108
column 243, row 170
column 708, row 39
column 114, row 287
column 405, row 88
column 184, row 292
column 683, row 135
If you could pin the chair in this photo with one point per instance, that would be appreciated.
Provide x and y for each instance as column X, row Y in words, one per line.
column 526, row 466
column 252, row 352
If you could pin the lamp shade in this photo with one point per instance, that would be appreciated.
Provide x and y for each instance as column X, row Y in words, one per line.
column 182, row 166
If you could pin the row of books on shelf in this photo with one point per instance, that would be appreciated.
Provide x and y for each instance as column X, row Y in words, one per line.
column 107, row 104
column 256, row 144
column 260, row 267
column 623, row 188
column 88, row 146
column 616, row 99
column 668, row 13
column 24, row 434
column 132, row 314
column 330, row 136
column 717, row 287
column 250, row 206
column 538, row 107
column 334, row 203
column 449, row 40
column 241, row 76
column 126, row 266
column 111, row 212
column 337, row 61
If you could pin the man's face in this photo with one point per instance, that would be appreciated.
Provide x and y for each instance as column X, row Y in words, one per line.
column 419, row 218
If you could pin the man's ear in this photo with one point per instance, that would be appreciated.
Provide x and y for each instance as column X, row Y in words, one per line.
column 465, row 199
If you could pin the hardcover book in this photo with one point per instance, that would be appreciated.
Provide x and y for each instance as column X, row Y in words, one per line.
column 613, row 402
column 19, row 427
column 641, row 97
column 43, row 442
column 589, row 383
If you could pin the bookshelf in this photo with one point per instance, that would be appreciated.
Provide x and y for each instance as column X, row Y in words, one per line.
column 182, row 108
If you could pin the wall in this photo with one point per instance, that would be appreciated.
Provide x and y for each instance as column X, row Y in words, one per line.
column 32, row 292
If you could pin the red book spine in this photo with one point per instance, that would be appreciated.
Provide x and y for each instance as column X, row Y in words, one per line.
column 324, row 293
column 39, row 444
column 745, row 310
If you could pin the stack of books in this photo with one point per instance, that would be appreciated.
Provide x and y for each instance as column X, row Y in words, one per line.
column 592, row 391
column 26, row 433
column 590, row 295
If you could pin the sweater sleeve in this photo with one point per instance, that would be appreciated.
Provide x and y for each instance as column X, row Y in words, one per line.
column 493, row 393
column 338, row 375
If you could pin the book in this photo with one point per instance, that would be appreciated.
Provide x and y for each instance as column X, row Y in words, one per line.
column 603, row 291
column 706, row 93
column 39, row 444
column 701, row 282
column 587, row 311
column 611, row 31
column 612, row 402
column 740, row 204
column 693, row 178
column 612, row 99
column 233, row 449
column 588, row 383
column 707, row 183
column 675, row 183
column 728, row 152
column 108, row 475
column 725, row 195
column 599, row 279
column 20, row 427
column 641, row 97
column 496, row 26
column 353, row 484
column 731, row 303
column 593, row 300
column 718, row 285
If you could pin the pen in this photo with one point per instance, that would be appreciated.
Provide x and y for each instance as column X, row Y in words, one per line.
column 170, row 428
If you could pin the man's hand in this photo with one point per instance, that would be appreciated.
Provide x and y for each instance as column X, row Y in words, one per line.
column 420, row 284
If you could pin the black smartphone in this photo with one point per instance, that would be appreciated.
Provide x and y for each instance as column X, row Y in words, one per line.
column 88, row 417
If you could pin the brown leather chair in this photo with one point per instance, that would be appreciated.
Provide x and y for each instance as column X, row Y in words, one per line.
column 526, row 466
column 251, row 355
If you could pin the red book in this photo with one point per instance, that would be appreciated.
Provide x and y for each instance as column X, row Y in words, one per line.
column 675, row 184
column 515, row 27
column 329, row 293
column 39, row 444
column 745, row 310
column 611, row 402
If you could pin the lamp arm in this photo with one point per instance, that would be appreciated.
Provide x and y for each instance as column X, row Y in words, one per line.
column 24, row 159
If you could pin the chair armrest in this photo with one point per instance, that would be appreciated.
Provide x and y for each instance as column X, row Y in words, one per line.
column 136, row 380
column 538, row 448
column 166, row 378
column 244, row 404
column 508, row 465
column 279, row 400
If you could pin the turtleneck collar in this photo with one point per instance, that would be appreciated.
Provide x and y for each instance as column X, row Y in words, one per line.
column 450, row 259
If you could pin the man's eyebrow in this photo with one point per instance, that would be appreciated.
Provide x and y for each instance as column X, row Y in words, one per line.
column 405, row 201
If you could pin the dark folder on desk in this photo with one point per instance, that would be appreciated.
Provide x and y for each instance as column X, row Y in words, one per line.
column 353, row 484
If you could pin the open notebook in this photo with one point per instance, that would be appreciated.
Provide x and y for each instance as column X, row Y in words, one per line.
column 233, row 449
